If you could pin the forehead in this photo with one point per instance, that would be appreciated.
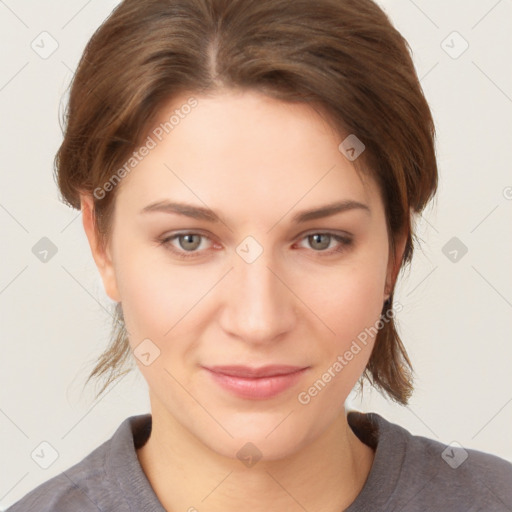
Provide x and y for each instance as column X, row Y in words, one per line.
column 243, row 150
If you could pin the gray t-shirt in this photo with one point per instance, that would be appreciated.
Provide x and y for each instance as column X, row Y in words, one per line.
column 410, row 473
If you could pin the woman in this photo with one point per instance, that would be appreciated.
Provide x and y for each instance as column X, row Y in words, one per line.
column 248, row 173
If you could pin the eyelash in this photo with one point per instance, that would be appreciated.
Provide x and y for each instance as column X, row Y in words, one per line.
column 345, row 241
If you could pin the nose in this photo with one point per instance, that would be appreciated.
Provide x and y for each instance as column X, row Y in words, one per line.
column 259, row 305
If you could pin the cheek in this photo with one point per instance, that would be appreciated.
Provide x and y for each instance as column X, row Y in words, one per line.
column 347, row 299
column 157, row 296
column 351, row 306
column 359, row 304
column 159, row 303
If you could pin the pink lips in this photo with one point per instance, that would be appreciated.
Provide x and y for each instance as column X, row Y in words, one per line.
column 256, row 383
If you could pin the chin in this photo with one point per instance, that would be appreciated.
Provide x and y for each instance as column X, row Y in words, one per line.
column 263, row 438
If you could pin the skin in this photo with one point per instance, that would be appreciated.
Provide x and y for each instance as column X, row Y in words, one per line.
column 255, row 161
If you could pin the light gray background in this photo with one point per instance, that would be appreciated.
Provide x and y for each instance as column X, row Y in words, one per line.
column 456, row 321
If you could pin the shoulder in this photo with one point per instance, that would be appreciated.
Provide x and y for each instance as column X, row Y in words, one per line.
column 73, row 489
column 426, row 474
column 461, row 471
column 89, row 485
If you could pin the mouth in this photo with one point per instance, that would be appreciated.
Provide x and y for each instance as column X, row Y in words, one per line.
column 256, row 383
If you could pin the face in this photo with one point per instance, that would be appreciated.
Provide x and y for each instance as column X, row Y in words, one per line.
column 249, row 278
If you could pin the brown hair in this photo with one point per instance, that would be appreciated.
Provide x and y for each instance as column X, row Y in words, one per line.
column 343, row 57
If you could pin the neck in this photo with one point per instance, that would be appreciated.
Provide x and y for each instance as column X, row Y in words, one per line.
column 325, row 475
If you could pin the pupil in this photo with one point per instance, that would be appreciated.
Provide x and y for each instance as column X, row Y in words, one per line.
column 189, row 239
column 317, row 239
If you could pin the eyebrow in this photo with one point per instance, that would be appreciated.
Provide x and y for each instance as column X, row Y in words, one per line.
column 206, row 214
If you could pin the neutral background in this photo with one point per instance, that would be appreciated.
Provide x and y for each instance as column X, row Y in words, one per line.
column 456, row 321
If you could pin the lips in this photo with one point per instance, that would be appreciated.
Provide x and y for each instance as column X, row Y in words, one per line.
column 254, row 373
column 256, row 383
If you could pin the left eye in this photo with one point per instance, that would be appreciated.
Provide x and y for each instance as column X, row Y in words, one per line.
column 322, row 241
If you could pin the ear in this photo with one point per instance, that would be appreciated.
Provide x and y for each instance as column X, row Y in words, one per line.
column 394, row 264
column 100, row 254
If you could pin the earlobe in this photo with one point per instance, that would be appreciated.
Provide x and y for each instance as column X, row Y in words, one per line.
column 100, row 254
